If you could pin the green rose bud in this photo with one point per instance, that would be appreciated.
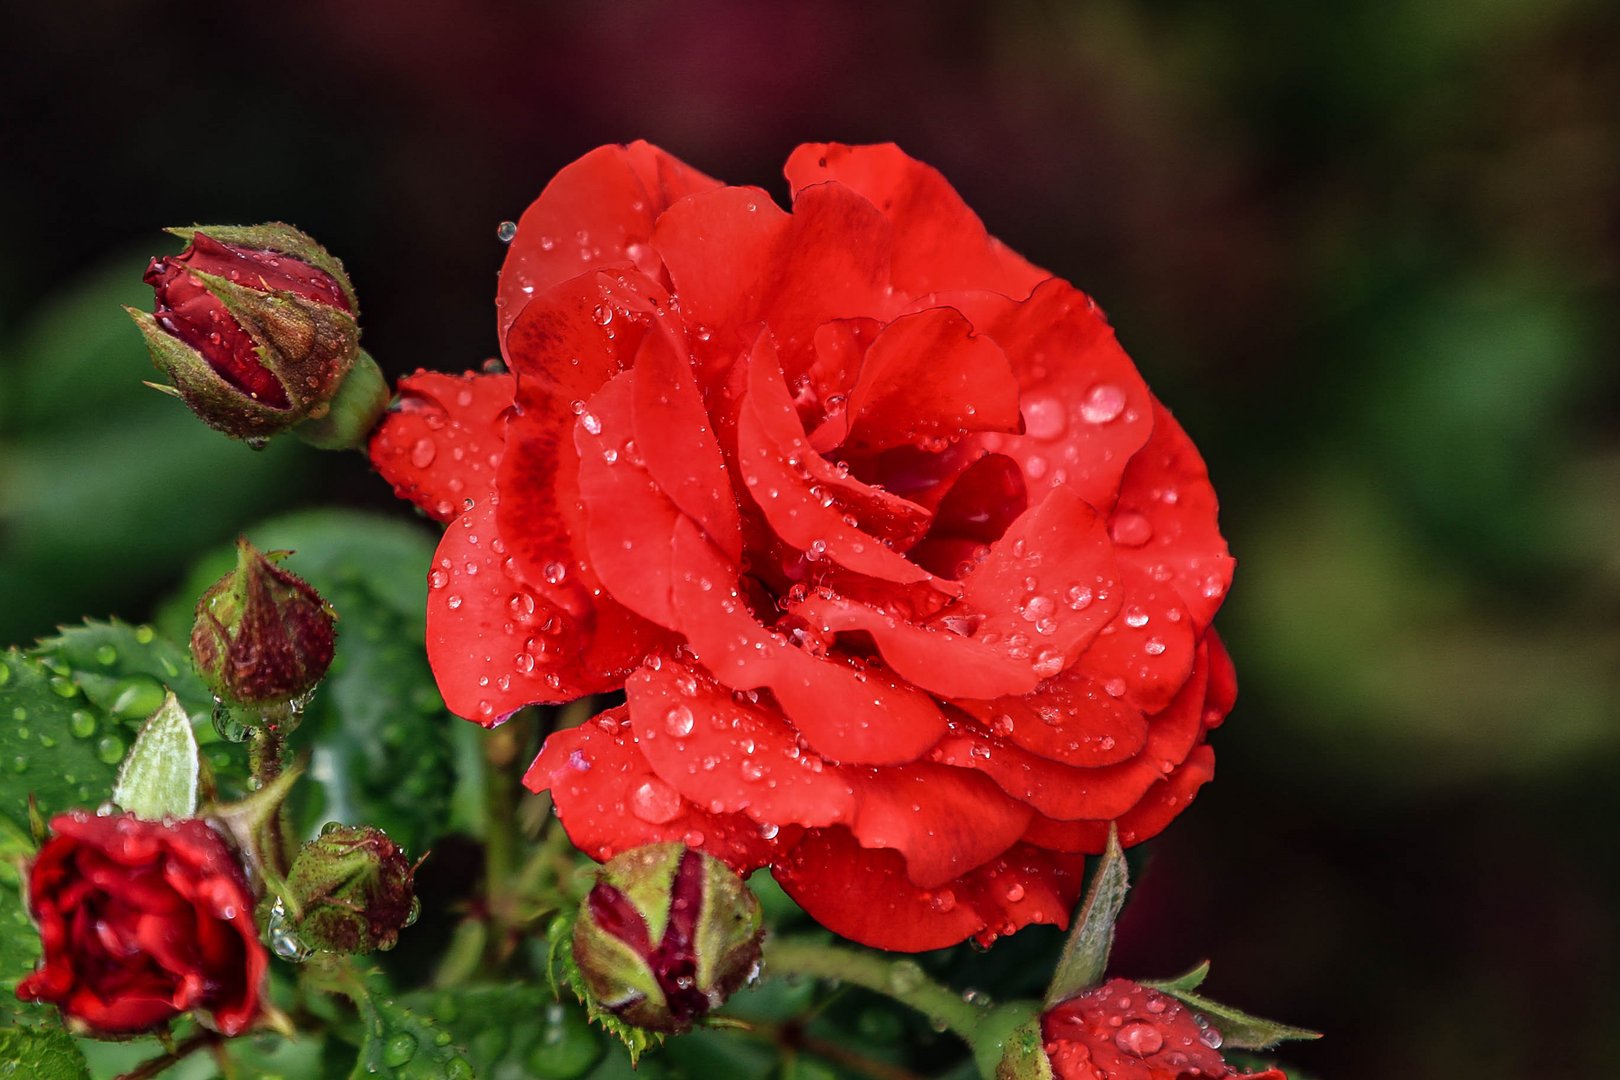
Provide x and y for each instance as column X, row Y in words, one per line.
column 350, row 891
column 666, row 935
column 256, row 328
column 263, row 637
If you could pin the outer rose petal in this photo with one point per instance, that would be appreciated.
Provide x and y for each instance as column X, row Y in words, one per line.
column 917, row 811
column 1086, row 410
column 443, row 443
column 938, row 242
column 599, row 211
column 609, row 800
column 864, row 893
column 1167, row 507
column 738, row 260
column 728, row 754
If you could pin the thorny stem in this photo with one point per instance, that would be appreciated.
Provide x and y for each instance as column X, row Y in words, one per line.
column 902, row 980
column 153, row 1066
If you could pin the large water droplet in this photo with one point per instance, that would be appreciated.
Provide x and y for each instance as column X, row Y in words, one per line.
column 401, row 1045
column 506, row 231
column 1102, row 403
column 678, row 721
column 655, row 802
column 1139, row 1039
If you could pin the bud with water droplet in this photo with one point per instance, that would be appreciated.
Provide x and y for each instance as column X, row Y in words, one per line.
column 256, row 328
column 665, row 936
column 350, row 890
column 263, row 637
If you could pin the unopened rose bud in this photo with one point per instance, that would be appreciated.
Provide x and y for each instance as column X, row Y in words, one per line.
column 263, row 637
column 350, row 890
column 666, row 935
column 256, row 327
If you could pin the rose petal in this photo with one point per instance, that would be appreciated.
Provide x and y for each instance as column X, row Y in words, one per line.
column 443, row 443
column 1086, row 410
column 1167, row 504
column 943, row 821
column 609, row 799
column 598, row 211
column 730, row 755
column 927, row 376
column 938, row 242
column 737, row 260
column 847, row 715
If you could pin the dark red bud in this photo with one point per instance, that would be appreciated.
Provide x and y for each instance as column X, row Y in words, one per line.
column 263, row 637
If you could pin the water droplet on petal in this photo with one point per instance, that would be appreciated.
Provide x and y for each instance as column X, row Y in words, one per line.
column 1139, row 1039
column 1102, row 403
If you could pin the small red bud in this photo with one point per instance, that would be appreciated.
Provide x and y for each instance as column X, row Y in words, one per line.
column 256, row 327
column 263, row 637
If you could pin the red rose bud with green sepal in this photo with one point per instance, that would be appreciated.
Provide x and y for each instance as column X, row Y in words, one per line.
column 350, row 890
column 263, row 637
column 1123, row 1030
column 256, row 327
column 665, row 936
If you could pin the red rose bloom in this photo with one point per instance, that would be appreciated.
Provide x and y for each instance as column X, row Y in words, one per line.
column 1122, row 1030
column 142, row 921
column 905, row 574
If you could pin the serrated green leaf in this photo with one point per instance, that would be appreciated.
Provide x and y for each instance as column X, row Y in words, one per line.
column 54, row 743
column 514, row 1030
column 1085, row 953
column 42, row 1053
column 19, row 940
column 564, row 971
column 397, row 1043
column 1190, row 980
column 1239, row 1030
column 159, row 777
column 123, row 670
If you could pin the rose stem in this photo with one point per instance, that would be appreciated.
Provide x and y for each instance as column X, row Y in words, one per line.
column 791, row 1038
column 901, row 980
column 267, row 754
column 156, row 1065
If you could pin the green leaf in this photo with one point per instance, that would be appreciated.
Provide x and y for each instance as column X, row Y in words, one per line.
column 564, row 971
column 54, row 744
column 1238, row 1029
column 1191, row 980
column 1008, row 1044
column 124, row 669
column 1085, row 954
column 159, row 777
column 397, row 1043
column 19, row 940
column 514, row 1030
column 42, row 1053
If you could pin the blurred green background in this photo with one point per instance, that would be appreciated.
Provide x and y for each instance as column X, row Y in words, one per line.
column 1368, row 252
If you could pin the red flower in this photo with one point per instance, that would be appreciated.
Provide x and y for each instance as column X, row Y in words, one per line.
column 142, row 921
column 907, row 577
column 1122, row 1030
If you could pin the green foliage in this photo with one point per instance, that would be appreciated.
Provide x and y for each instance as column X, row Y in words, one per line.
column 1085, row 954
column 123, row 671
column 514, row 1031
column 399, row 1044
column 1239, row 1029
column 41, row 1053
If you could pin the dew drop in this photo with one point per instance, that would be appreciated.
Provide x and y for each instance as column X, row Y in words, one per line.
column 1139, row 1039
column 555, row 572
column 1044, row 418
column 1130, row 530
column 506, row 231
column 423, row 452
column 655, row 802
column 678, row 721
column 110, row 749
column 1102, row 403
column 401, row 1046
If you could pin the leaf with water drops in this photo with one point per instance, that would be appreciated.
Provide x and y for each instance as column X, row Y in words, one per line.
column 400, row 1044
column 19, row 941
column 1188, row 981
column 41, row 1053
column 54, row 743
column 515, row 1030
column 123, row 670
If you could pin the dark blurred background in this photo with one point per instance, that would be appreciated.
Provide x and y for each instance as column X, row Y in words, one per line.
column 1368, row 252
